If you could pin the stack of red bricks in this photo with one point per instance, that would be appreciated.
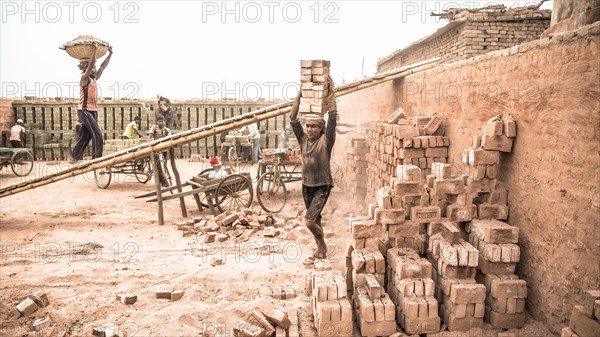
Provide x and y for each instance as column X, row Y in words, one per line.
column 412, row 290
column 455, row 262
column 332, row 310
column 585, row 318
column 483, row 161
column 498, row 257
column 355, row 167
column 314, row 86
column 418, row 141
column 375, row 311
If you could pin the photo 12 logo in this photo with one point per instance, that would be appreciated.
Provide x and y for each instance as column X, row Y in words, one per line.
column 115, row 90
column 69, row 11
column 269, row 12
column 250, row 91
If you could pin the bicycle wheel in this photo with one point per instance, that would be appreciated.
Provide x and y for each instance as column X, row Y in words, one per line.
column 142, row 170
column 234, row 192
column 21, row 163
column 271, row 192
column 102, row 177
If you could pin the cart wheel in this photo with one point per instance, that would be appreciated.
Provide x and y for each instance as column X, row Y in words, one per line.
column 102, row 177
column 271, row 192
column 142, row 170
column 21, row 162
column 202, row 196
column 234, row 192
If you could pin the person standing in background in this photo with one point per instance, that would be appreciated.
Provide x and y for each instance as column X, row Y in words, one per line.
column 17, row 134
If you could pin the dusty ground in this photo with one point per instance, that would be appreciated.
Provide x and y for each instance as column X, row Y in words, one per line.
column 42, row 231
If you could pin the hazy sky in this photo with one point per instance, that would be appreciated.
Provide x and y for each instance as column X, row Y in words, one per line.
column 207, row 49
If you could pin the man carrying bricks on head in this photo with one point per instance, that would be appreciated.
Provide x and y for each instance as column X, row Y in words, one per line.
column 316, row 144
column 87, row 110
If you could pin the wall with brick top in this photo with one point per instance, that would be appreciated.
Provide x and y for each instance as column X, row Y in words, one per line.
column 460, row 40
column 551, row 88
column 6, row 120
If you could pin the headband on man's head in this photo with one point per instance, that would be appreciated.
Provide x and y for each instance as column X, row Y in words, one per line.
column 315, row 118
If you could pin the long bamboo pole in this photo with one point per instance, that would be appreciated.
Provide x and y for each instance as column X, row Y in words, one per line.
column 184, row 137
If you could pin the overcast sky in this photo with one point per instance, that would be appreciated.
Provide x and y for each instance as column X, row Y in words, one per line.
column 207, row 49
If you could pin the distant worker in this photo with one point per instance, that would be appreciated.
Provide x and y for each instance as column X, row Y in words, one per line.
column 87, row 109
column 132, row 129
column 254, row 136
column 224, row 145
column 157, row 131
column 17, row 134
column 285, row 136
column 218, row 171
column 316, row 144
column 164, row 109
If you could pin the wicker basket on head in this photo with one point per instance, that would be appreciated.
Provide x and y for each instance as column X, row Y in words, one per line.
column 82, row 47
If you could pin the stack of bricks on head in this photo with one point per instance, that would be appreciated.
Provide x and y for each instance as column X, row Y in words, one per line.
column 450, row 254
column 314, row 86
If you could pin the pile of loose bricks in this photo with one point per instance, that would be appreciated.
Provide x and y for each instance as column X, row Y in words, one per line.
column 240, row 226
column 585, row 318
column 434, row 252
column 356, row 163
column 417, row 141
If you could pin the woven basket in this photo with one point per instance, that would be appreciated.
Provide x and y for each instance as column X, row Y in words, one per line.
column 82, row 47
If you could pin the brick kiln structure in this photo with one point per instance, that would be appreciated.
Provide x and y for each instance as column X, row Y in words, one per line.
column 50, row 123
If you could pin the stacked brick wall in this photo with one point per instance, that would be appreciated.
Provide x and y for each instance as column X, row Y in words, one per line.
column 478, row 34
column 6, row 120
column 550, row 86
column 50, row 123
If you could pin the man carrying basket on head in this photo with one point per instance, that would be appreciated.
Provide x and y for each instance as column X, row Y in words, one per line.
column 87, row 110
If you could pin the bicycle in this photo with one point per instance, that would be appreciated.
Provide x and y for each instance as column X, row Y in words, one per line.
column 270, row 187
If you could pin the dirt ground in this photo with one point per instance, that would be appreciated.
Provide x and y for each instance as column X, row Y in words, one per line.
column 48, row 236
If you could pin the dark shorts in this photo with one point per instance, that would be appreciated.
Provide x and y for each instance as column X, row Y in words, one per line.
column 315, row 198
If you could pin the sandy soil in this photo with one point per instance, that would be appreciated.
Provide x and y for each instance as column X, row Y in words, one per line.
column 45, row 233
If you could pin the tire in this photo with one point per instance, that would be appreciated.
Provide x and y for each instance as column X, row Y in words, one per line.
column 271, row 192
column 142, row 170
column 234, row 192
column 21, row 163
column 102, row 177
column 232, row 155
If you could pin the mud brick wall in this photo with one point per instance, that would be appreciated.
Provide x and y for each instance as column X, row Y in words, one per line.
column 477, row 35
column 551, row 88
column 50, row 123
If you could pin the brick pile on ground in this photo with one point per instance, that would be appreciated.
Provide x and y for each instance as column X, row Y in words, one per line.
column 417, row 141
column 453, row 219
column 267, row 321
column 585, row 318
column 331, row 308
column 356, row 163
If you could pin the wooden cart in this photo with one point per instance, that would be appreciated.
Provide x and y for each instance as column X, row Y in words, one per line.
column 140, row 168
column 232, row 192
column 20, row 160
